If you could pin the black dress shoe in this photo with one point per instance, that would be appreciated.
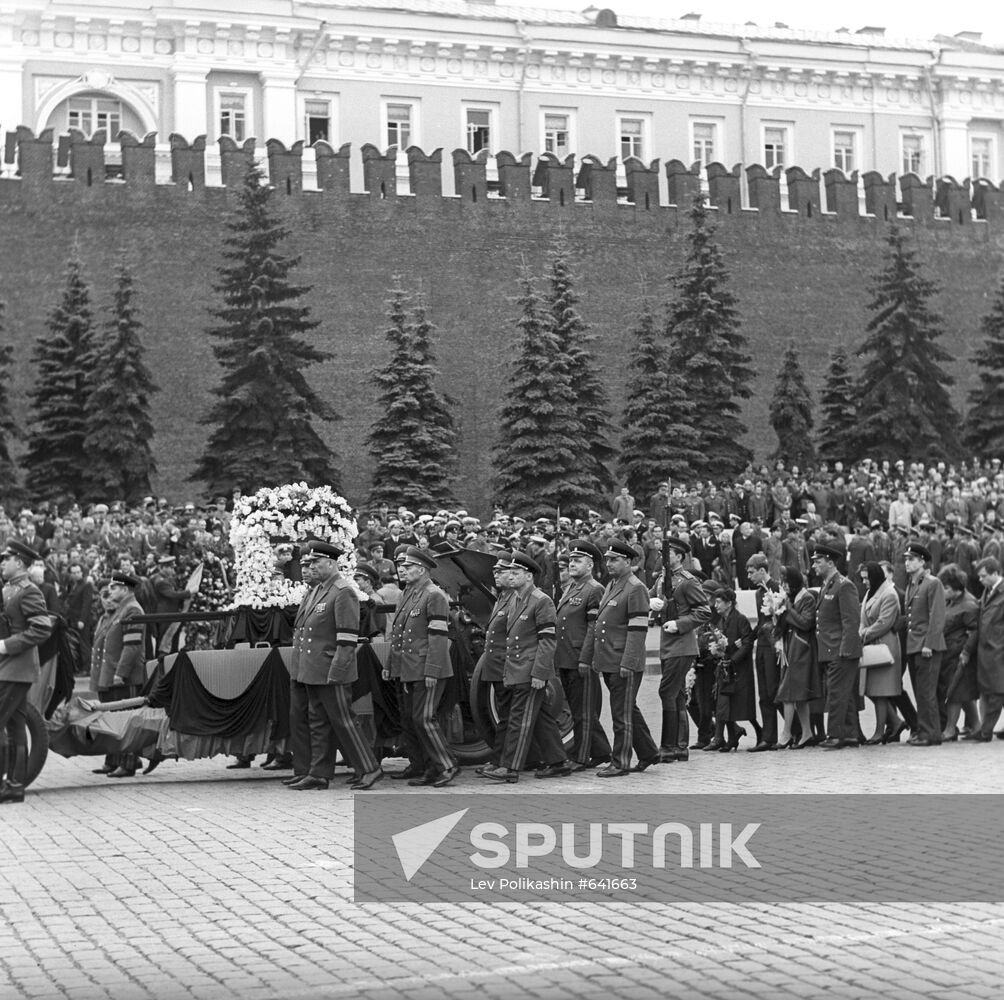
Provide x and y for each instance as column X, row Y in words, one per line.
column 646, row 763
column 502, row 774
column 239, row 765
column 976, row 737
column 427, row 778
column 103, row 770
column 598, row 761
column 833, row 744
column 12, row 791
column 480, row 771
column 894, row 735
column 875, row 741
column 310, row 784
column 761, row 747
column 367, row 780
column 408, row 772
column 805, row 743
column 293, row 779
column 445, row 777
column 675, row 756
column 156, row 758
column 613, row 771
column 279, row 764
column 923, row 741
column 1000, row 734
column 698, row 746
column 122, row 772
column 715, row 744
column 561, row 770
column 577, row 766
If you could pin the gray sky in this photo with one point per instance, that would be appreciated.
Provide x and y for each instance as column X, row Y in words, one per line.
column 902, row 19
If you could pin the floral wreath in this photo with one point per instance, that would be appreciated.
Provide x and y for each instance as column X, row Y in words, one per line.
column 291, row 513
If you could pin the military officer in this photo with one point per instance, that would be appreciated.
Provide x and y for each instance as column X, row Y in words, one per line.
column 117, row 659
column 576, row 619
column 324, row 661
column 491, row 663
column 299, row 703
column 681, row 608
column 838, row 643
column 419, row 659
column 529, row 665
column 25, row 625
column 925, row 641
column 619, row 655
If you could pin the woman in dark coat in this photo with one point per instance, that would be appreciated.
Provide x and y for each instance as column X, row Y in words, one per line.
column 800, row 673
column 734, row 677
column 957, row 684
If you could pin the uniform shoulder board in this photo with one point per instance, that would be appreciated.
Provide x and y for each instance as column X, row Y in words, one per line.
column 341, row 583
column 687, row 575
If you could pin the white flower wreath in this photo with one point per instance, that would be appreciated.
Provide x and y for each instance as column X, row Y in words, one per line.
column 294, row 512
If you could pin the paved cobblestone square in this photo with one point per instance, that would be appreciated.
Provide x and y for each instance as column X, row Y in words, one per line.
column 198, row 882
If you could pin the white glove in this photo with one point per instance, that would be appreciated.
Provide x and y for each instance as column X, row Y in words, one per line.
column 656, row 604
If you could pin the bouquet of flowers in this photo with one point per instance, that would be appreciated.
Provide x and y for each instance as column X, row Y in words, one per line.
column 718, row 644
column 294, row 512
column 774, row 602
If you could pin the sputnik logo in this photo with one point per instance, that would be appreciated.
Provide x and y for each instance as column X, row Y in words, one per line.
column 415, row 846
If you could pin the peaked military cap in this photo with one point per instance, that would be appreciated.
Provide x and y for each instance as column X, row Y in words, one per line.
column 916, row 549
column 24, row 552
column 324, row 550
column 369, row 571
column 414, row 556
column 623, row 549
column 827, row 552
column 520, row 560
column 126, row 579
column 584, row 547
column 681, row 545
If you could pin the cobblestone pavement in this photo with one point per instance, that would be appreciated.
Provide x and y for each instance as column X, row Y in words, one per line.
column 202, row 882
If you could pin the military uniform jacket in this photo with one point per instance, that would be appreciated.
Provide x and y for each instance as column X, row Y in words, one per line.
column 575, row 622
column 987, row 643
column 925, row 614
column 26, row 626
column 325, row 635
column 492, row 661
column 621, row 627
column 838, row 618
column 529, row 640
column 419, row 642
column 687, row 605
column 118, row 647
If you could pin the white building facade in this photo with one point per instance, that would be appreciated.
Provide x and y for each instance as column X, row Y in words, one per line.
column 475, row 75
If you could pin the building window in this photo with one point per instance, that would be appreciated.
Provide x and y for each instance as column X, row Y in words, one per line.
column 845, row 150
column 704, row 142
column 92, row 113
column 914, row 148
column 557, row 134
column 632, row 137
column 478, row 129
column 400, row 125
column 233, row 115
column 981, row 155
column 776, row 146
column 317, row 116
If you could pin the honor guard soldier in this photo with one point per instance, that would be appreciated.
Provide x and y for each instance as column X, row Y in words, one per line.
column 324, row 661
column 681, row 607
column 491, row 664
column 117, row 658
column 619, row 655
column 419, row 660
column 577, row 611
column 838, row 643
column 529, row 665
column 26, row 625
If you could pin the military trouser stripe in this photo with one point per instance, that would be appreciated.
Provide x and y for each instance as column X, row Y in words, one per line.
column 348, row 733
column 589, row 685
column 627, row 709
column 431, row 729
column 526, row 723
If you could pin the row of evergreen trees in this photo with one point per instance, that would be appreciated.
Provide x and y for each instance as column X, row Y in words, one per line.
column 688, row 364
column 89, row 430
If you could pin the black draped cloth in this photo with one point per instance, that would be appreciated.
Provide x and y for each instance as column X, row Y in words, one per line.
column 192, row 709
column 254, row 625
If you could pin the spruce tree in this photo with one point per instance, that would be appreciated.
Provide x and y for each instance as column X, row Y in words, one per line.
column 263, row 418
column 903, row 405
column 9, row 430
column 413, row 443
column 659, row 437
column 537, row 461
column 791, row 412
column 119, row 429
column 983, row 431
column 55, row 463
column 709, row 351
column 836, row 402
column 592, row 404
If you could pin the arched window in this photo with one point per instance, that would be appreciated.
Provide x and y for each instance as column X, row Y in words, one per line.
column 93, row 110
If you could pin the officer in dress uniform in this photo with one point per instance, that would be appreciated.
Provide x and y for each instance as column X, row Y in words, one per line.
column 490, row 668
column 324, row 661
column 299, row 703
column 25, row 625
column 577, row 611
column 419, row 660
column 681, row 607
column 838, row 642
column 925, row 642
column 529, row 666
column 619, row 655
column 117, row 660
